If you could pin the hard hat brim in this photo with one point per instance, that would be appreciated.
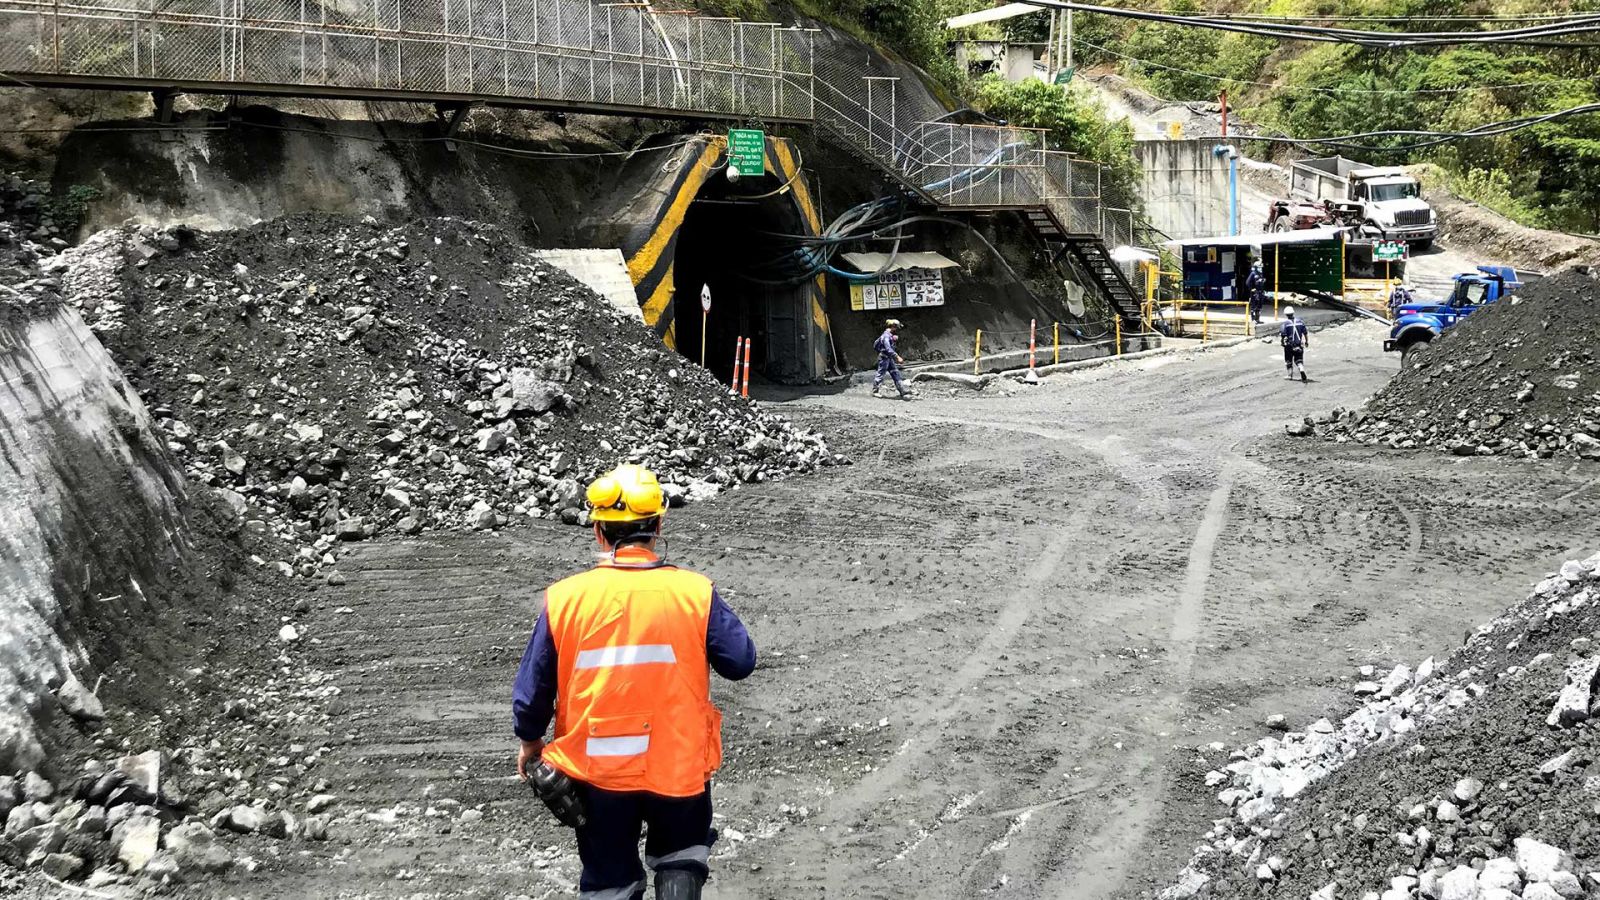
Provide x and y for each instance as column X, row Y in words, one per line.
column 620, row 515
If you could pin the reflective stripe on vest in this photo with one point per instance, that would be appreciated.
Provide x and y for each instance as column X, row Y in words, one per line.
column 632, row 655
column 633, row 709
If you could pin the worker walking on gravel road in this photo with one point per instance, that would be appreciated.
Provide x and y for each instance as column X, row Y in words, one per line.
column 888, row 347
column 1295, row 338
column 621, row 657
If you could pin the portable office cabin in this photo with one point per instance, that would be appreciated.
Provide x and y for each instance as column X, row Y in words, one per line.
column 1214, row 268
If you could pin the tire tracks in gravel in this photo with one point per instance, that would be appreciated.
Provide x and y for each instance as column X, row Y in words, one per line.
column 1102, row 863
column 1103, row 871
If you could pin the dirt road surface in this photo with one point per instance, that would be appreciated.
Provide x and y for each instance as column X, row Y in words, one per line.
column 990, row 648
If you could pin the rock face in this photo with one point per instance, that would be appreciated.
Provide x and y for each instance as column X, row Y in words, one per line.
column 1517, row 378
column 353, row 380
column 78, row 442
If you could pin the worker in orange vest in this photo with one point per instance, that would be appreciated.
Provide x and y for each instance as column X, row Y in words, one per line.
column 621, row 656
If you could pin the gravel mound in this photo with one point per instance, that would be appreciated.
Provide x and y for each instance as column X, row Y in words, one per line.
column 1465, row 779
column 1518, row 378
column 337, row 379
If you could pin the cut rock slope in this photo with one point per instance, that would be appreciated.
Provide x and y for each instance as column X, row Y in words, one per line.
column 337, row 379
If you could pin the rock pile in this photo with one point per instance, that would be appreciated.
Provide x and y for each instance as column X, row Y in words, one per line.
column 1467, row 779
column 334, row 380
column 1520, row 377
column 125, row 822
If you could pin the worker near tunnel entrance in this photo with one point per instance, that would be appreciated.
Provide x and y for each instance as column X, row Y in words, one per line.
column 888, row 347
column 620, row 658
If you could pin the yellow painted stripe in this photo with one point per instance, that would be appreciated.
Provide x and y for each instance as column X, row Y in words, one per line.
column 645, row 258
column 656, row 304
column 784, row 151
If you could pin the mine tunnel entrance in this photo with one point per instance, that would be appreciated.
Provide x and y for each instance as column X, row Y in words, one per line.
column 738, row 246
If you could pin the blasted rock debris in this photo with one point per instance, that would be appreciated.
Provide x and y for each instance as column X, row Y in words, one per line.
column 1469, row 778
column 1519, row 378
column 333, row 380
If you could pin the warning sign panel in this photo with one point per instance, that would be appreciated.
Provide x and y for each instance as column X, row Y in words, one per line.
column 904, row 289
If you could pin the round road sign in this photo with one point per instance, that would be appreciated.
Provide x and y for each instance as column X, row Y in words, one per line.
column 705, row 298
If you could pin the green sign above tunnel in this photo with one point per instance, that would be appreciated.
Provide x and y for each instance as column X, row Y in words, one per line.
column 747, row 152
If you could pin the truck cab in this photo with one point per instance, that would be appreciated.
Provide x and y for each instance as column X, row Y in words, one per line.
column 1392, row 204
column 1388, row 199
column 1417, row 323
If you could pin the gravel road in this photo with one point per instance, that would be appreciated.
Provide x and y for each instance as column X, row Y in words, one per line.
column 990, row 648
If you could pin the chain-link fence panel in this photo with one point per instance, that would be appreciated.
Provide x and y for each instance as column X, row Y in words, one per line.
column 580, row 52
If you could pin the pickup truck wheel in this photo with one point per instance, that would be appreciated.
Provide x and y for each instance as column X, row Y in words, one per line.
column 1409, row 353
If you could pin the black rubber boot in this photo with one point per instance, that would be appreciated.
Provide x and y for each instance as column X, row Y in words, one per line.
column 678, row 884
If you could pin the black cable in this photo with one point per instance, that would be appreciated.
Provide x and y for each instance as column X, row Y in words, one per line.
column 1582, row 25
column 1492, row 129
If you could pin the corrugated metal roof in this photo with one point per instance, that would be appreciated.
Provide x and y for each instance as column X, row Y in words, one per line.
column 1263, row 239
column 874, row 262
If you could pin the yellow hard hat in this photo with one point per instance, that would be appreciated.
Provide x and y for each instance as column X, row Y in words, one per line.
column 628, row 493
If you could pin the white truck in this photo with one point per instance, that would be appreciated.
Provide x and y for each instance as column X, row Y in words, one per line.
column 1390, row 200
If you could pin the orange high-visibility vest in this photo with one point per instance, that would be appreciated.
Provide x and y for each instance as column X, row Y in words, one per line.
column 633, row 701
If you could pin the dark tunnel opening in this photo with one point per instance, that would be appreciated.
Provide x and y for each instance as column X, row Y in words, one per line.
column 736, row 245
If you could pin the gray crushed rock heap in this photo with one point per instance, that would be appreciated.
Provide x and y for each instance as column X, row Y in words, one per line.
column 1465, row 779
column 1520, row 377
column 336, row 379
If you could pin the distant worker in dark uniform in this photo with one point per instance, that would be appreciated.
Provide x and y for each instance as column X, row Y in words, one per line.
column 1294, row 337
column 1255, row 285
column 621, row 657
column 1398, row 297
column 888, row 347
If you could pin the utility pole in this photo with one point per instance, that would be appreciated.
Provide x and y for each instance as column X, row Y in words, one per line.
column 1069, row 38
column 1050, row 50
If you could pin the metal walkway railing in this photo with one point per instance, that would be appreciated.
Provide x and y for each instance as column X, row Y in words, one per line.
column 574, row 54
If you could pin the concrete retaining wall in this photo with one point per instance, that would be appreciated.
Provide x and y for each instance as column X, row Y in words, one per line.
column 1185, row 187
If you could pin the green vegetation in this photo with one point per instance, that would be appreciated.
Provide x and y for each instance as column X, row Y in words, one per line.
column 67, row 209
column 1547, row 175
column 1075, row 119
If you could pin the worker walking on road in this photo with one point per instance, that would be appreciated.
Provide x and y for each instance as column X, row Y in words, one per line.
column 888, row 347
column 1255, row 285
column 621, row 658
column 1294, row 337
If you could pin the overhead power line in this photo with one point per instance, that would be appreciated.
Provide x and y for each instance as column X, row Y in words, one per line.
column 1431, row 138
column 1535, row 35
column 1547, row 82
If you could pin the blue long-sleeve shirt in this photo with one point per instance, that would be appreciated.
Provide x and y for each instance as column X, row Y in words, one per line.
column 729, row 649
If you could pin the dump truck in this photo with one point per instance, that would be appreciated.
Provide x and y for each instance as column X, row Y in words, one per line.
column 1389, row 200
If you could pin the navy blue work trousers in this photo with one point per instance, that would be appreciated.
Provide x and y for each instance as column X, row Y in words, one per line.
column 677, row 835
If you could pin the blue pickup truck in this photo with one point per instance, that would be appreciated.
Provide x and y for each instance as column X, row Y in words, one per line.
column 1418, row 322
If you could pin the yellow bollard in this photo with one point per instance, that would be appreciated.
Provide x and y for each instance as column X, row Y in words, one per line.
column 1205, row 324
column 1055, row 329
column 1117, row 322
column 977, row 350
